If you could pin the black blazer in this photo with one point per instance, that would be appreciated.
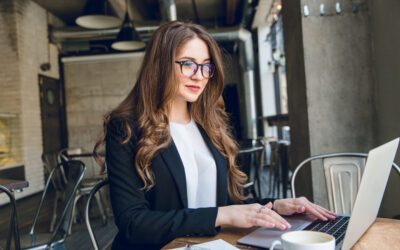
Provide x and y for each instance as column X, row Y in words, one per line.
column 149, row 220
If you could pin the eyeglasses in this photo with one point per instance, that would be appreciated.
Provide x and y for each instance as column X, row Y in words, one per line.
column 190, row 68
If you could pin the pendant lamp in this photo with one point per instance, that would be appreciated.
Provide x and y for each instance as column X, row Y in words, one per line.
column 95, row 16
column 128, row 38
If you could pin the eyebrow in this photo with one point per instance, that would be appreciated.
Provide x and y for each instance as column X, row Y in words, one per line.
column 193, row 59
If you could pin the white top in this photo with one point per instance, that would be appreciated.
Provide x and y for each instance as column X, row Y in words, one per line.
column 199, row 164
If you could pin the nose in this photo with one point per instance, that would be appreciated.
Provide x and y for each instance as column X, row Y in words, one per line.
column 198, row 75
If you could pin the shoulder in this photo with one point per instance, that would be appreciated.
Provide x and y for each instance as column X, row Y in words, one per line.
column 119, row 127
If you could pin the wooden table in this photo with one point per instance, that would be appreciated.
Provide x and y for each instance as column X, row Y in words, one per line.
column 13, row 184
column 383, row 234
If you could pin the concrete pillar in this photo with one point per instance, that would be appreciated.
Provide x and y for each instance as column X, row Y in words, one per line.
column 385, row 29
column 297, row 97
column 339, row 83
column 331, row 93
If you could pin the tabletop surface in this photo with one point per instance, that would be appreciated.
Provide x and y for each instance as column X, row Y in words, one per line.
column 13, row 184
column 383, row 234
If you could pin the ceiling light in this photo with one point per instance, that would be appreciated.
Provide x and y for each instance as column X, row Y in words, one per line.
column 128, row 38
column 95, row 16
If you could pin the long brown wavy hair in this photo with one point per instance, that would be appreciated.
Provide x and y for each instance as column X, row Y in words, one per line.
column 148, row 104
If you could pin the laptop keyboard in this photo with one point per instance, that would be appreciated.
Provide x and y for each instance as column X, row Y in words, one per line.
column 336, row 228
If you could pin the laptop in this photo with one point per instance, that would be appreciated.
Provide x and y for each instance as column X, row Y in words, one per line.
column 346, row 230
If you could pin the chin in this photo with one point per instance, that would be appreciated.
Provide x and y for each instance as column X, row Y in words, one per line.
column 191, row 98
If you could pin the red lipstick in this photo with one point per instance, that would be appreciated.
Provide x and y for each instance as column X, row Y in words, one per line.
column 193, row 88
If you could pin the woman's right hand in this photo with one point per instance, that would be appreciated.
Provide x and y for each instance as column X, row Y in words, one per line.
column 250, row 215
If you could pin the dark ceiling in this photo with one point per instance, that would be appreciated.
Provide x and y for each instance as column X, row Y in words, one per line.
column 213, row 14
column 210, row 13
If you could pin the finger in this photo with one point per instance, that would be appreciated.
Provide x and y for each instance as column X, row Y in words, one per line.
column 330, row 212
column 316, row 210
column 271, row 215
column 319, row 210
column 300, row 209
column 280, row 219
column 263, row 215
column 269, row 219
column 310, row 208
column 269, row 205
column 263, row 223
column 325, row 212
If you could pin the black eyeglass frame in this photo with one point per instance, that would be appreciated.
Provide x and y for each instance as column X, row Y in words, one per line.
column 198, row 65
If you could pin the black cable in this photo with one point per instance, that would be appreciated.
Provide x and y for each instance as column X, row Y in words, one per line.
column 196, row 14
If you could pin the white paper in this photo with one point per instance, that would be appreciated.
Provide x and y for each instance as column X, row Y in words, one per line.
column 212, row 245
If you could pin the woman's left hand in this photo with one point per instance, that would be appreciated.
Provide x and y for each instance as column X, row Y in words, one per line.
column 301, row 205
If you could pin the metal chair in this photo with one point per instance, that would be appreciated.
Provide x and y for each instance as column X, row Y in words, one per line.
column 279, row 168
column 13, row 225
column 343, row 172
column 85, row 186
column 58, row 181
column 250, row 159
column 98, row 188
column 55, row 240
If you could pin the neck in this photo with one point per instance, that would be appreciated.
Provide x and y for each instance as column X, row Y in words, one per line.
column 179, row 112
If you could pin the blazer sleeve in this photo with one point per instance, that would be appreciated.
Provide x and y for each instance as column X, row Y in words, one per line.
column 135, row 220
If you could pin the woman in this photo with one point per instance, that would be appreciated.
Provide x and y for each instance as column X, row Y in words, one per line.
column 169, row 152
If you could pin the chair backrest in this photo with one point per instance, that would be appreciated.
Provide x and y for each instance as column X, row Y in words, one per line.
column 63, row 154
column 74, row 171
column 50, row 161
column 92, row 194
column 13, row 225
column 250, row 159
column 343, row 172
column 92, row 168
column 251, row 154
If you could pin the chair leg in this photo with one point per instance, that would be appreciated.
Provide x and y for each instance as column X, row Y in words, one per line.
column 100, row 206
column 60, row 246
column 270, row 181
column 73, row 219
column 259, row 178
column 276, row 184
column 54, row 218
column 279, row 182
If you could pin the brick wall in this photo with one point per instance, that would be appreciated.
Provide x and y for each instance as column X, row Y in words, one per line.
column 94, row 85
column 24, row 46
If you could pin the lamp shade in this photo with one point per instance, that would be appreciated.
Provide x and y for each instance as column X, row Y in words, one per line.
column 95, row 16
column 128, row 38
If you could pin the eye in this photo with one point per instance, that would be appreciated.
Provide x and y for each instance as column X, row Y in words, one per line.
column 207, row 67
column 187, row 63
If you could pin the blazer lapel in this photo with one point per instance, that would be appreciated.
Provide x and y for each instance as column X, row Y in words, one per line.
column 220, row 161
column 175, row 165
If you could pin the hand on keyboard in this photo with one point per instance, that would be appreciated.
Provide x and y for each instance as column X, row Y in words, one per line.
column 302, row 205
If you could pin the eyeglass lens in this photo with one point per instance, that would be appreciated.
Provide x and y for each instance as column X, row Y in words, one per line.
column 190, row 68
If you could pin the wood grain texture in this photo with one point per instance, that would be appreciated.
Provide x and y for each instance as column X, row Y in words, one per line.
column 383, row 234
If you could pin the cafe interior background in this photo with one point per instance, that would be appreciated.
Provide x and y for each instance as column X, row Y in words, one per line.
column 328, row 66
